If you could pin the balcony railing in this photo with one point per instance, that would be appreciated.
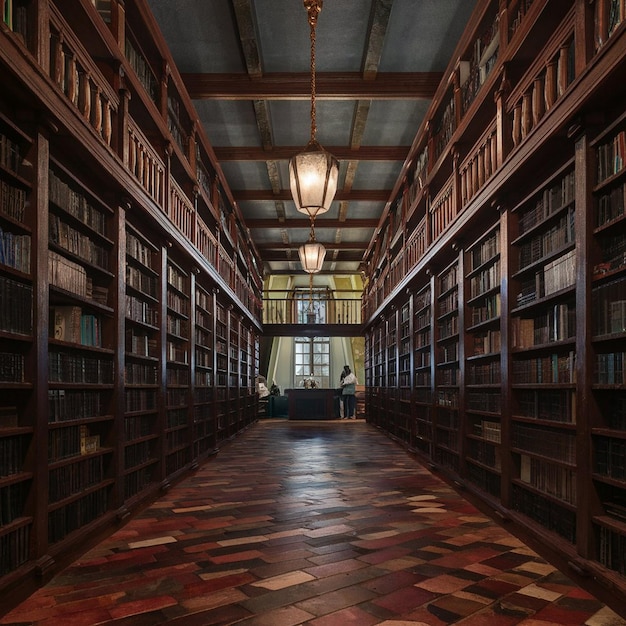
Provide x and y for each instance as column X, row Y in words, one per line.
column 319, row 307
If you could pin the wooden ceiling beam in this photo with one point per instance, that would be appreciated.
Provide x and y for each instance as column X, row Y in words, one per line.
column 328, row 86
column 364, row 195
column 284, row 153
column 320, row 223
column 277, row 245
column 345, row 256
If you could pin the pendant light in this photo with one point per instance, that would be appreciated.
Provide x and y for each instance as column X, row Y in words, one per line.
column 313, row 173
column 312, row 253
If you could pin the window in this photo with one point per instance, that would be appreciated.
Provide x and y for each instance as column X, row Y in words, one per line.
column 312, row 360
column 311, row 306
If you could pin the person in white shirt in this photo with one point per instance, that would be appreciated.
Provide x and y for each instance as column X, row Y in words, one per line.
column 348, row 394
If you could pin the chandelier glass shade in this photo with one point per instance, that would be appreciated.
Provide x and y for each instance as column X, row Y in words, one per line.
column 313, row 175
column 312, row 254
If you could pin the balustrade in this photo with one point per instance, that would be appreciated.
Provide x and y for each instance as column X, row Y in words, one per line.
column 73, row 70
column 181, row 211
column 145, row 164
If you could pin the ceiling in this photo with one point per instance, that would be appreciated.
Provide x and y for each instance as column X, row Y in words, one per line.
column 246, row 65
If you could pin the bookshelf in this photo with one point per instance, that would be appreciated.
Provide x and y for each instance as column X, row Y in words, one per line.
column 221, row 371
column 81, row 348
column 516, row 201
column 448, row 355
column 608, row 338
column 17, row 402
column 404, row 373
column 543, row 329
column 204, row 367
column 177, row 359
column 113, row 275
column 142, row 363
column 423, row 369
column 482, row 362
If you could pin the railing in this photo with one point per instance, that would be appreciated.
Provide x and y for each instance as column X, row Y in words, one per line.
column 318, row 307
column 78, row 77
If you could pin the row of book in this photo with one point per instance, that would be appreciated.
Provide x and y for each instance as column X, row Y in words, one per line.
column 77, row 243
column 556, row 324
column 140, row 374
column 140, row 400
column 12, row 201
column 554, row 480
column 610, row 457
column 549, row 202
column 138, row 280
column 139, row 426
column 550, row 443
column 141, row 344
column 69, row 479
column 613, row 254
column 69, row 404
column 72, row 441
column 488, row 430
column 139, row 251
column 560, row 273
column 612, row 550
column 485, row 453
column 142, row 69
column 484, row 373
column 610, row 369
column 76, row 514
column 14, row 549
column 611, row 155
column 176, row 353
column 11, row 367
column 10, row 156
column 488, row 309
column 177, row 326
column 16, row 306
column 137, row 481
column 66, row 367
column 553, row 239
column 12, row 452
column 448, row 327
column 486, row 343
column 76, row 204
column 610, row 308
column 610, row 205
column 69, row 323
column 177, row 375
column 138, row 453
column 555, row 368
column 486, row 280
column 141, row 311
column 15, row 250
column 554, row 405
column 176, row 279
column 490, row 402
column 177, row 303
column 66, row 274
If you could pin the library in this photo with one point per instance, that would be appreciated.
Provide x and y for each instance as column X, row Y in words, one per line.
column 464, row 254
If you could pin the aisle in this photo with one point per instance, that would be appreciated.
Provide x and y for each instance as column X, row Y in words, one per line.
column 317, row 523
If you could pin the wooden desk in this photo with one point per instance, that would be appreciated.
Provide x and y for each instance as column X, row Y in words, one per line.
column 311, row 404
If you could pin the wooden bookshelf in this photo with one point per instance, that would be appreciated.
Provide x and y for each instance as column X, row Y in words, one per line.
column 124, row 308
column 516, row 199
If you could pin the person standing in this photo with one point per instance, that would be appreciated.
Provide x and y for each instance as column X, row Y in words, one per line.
column 348, row 393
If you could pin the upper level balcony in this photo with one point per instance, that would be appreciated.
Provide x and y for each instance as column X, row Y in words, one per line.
column 307, row 313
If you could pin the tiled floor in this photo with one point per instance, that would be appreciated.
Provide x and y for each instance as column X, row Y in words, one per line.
column 317, row 523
